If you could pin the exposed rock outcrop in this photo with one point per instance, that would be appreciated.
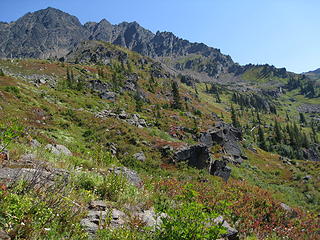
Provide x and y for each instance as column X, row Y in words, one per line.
column 196, row 156
column 227, row 137
column 129, row 174
column 58, row 149
column 220, row 169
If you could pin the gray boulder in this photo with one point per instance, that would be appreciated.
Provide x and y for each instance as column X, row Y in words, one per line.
column 291, row 212
column 4, row 235
column 34, row 143
column 111, row 96
column 140, row 156
column 220, row 169
column 58, row 149
column 227, row 137
column 232, row 234
column 196, row 156
column 129, row 174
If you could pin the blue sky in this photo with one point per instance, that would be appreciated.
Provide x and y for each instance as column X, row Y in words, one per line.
column 285, row 33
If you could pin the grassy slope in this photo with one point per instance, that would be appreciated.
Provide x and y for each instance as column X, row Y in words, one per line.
column 69, row 120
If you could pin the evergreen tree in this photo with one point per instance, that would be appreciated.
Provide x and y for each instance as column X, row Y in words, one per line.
column 261, row 139
column 139, row 102
column 1, row 73
column 218, row 97
column 277, row 132
column 176, row 96
column 302, row 118
column 234, row 118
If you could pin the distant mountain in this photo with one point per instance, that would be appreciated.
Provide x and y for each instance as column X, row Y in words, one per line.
column 51, row 33
column 313, row 74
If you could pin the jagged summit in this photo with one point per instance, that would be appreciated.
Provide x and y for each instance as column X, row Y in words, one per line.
column 52, row 33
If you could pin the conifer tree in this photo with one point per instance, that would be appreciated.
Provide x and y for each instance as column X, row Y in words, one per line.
column 176, row 96
column 277, row 131
column 234, row 118
column 1, row 73
column 261, row 139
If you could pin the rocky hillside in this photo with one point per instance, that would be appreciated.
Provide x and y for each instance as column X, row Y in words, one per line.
column 169, row 141
column 138, row 149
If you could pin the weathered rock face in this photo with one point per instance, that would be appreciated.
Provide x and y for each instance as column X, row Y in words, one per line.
column 96, row 52
column 226, row 136
column 196, row 156
column 42, row 34
column 58, row 149
column 129, row 174
column 311, row 154
column 220, row 169
column 309, row 108
column 99, row 213
column 36, row 175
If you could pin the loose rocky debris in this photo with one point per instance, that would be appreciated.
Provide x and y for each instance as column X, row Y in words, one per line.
column 129, row 174
column 102, row 89
column 309, row 108
column 140, row 156
column 58, row 149
column 132, row 119
column 36, row 79
column 290, row 212
column 4, row 235
column 34, row 143
column 38, row 175
column 101, row 216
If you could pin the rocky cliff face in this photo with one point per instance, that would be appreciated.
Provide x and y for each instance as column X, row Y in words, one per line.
column 42, row 34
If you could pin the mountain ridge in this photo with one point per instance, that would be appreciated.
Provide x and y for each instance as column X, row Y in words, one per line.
column 52, row 33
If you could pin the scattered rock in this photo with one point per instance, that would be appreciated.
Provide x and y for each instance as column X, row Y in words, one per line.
column 232, row 234
column 291, row 212
column 140, row 156
column 150, row 218
column 309, row 108
column 28, row 158
column 196, row 156
column 58, row 149
column 307, row 178
column 220, row 169
column 130, row 175
column 40, row 175
column 4, row 235
column 108, row 96
column 89, row 225
column 134, row 119
column 34, row 143
column 98, row 205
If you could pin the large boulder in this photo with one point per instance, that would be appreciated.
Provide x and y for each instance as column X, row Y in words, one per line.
column 196, row 156
column 129, row 174
column 220, row 169
column 227, row 137
column 58, row 149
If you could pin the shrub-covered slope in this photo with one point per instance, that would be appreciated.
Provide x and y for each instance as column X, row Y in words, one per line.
column 107, row 110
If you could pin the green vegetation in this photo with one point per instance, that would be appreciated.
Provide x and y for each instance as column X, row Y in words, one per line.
column 67, row 113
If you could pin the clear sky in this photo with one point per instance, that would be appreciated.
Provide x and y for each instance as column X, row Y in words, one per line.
column 285, row 33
